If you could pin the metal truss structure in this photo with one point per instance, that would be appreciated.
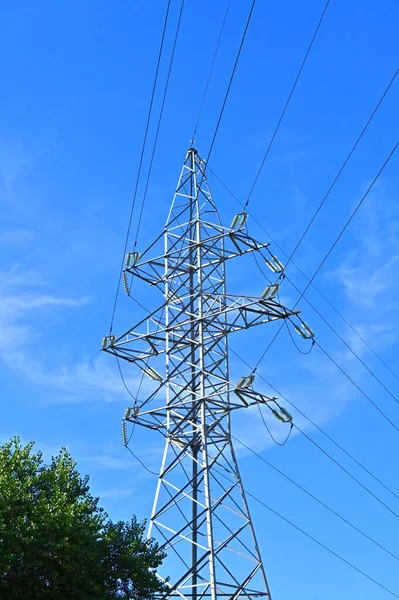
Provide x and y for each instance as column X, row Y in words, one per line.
column 200, row 513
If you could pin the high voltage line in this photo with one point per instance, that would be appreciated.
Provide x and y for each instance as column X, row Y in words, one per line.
column 280, row 394
column 196, row 480
column 154, row 85
column 330, row 304
column 345, row 162
column 340, row 447
column 333, row 245
column 286, row 105
column 342, row 167
column 231, row 80
column 316, row 499
column 296, row 527
column 210, row 71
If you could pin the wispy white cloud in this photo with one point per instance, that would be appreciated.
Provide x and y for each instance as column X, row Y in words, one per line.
column 367, row 274
column 116, row 493
column 19, row 306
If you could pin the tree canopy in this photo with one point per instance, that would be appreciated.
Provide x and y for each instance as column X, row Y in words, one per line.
column 57, row 543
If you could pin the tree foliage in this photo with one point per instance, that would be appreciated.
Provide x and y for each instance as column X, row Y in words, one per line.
column 57, row 543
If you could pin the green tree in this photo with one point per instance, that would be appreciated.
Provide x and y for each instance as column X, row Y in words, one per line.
column 57, row 543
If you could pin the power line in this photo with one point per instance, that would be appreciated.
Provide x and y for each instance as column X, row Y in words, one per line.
column 342, row 167
column 349, row 347
column 339, row 337
column 141, row 462
column 286, row 103
column 211, row 70
column 140, row 161
column 357, row 387
column 231, row 80
column 242, row 205
column 323, row 504
column 381, row 360
column 322, row 449
column 305, row 533
column 159, row 121
column 359, row 204
column 313, row 423
column 322, row 545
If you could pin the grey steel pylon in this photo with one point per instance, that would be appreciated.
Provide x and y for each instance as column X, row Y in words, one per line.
column 200, row 513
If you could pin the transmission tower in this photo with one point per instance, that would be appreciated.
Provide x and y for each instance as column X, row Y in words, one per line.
column 200, row 513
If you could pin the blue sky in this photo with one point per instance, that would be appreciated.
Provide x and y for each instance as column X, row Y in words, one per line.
column 76, row 80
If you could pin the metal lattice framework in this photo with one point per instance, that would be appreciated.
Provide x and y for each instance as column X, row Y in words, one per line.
column 200, row 512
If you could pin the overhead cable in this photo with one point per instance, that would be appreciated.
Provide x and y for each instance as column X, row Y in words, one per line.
column 154, row 85
column 242, row 205
column 210, row 71
column 286, row 104
column 305, row 533
column 323, row 504
column 159, row 122
column 230, row 81
column 342, row 168
column 321, row 448
column 336, row 333
column 382, row 413
column 359, row 204
column 322, row 545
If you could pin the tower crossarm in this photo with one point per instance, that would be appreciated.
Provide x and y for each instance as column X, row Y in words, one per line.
column 159, row 418
column 221, row 245
column 222, row 314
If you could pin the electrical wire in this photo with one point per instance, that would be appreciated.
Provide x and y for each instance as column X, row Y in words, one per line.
column 359, row 204
column 269, row 431
column 322, row 449
column 322, row 545
column 159, row 122
column 342, row 167
column 230, row 82
column 140, row 161
column 305, row 533
column 382, row 413
column 314, row 424
column 286, row 104
column 141, row 462
column 323, row 504
column 242, row 205
column 210, row 71
column 345, row 343
column 337, row 312
column 123, row 379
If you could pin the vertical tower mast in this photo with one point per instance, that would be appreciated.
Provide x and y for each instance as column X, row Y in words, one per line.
column 200, row 513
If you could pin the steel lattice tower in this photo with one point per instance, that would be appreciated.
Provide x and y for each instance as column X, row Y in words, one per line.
column 200, row 512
